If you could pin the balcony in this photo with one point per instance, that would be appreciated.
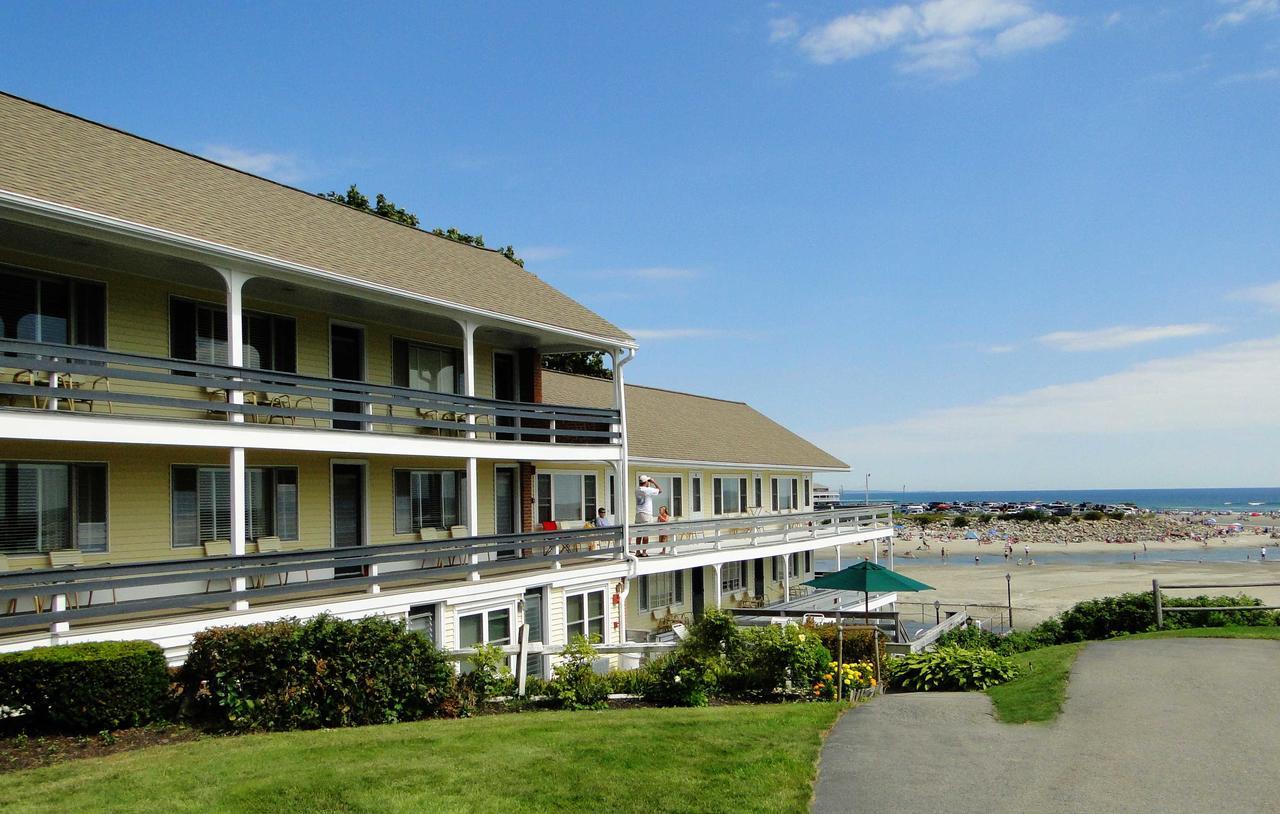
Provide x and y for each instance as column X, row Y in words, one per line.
column 140, row 594
column 49, row 379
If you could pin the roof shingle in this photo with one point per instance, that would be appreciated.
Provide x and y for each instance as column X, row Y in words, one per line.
column 57, row 157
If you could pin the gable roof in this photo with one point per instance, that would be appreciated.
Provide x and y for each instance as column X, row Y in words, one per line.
column 668, row 425
column 60, row 158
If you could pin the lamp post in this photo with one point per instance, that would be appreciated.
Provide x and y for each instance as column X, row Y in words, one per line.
column 1008, row 587
column 866, row 490
column 937, row 612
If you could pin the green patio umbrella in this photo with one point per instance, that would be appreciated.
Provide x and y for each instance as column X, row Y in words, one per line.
column 867, row 577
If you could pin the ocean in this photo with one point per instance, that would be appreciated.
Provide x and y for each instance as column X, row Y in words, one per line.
column 1255, row 499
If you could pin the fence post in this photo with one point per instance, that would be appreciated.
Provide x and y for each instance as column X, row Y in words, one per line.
column 1155, row 594
column 522, row 660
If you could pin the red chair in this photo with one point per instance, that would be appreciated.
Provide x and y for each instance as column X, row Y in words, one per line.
column 549, row 525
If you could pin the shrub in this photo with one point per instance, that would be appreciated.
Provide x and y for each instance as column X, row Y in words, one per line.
column 86, row 687
column 951, row 668
column 960, row 521
column 487, row 674
column 324, row 672
column 629, row 682
column 970, row 637
column 859, row 644
column 574, row 684
column 681, row 680
column 1093, row 514
column 774, row 659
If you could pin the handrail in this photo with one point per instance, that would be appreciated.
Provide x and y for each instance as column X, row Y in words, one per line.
column 756, row 528
column 536, row 420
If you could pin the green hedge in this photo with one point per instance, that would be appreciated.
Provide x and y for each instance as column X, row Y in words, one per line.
column 325, row 672
column 86, row 687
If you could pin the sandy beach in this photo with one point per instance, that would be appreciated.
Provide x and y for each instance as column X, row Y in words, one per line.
column 1058, row 580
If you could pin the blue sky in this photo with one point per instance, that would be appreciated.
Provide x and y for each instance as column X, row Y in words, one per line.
column 960, row 243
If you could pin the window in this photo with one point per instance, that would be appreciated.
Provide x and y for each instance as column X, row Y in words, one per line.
column 672, row 496
column 584, row 615
column 613, row 496
column 695, row 492
column 785, row 494
column 729, row 495
column 808, row 561
column 198, row 332
column 426, row 367
column 429, row 499
column 732, row 576
column 808, row 497
column 795, row 565
column 50, row 506
column 566, row 496
column 776, row 570
column 201, row 504
column 661, row 590
column 759, row 504
column 422, row 620
column 52, row 309
column 486, row 627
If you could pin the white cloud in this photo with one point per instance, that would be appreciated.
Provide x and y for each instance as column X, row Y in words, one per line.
column 946, row 39
column 283, row 167
column 1242, row 11
column 783, row 29
column 539, row 254
column 659, row 334
column 1037, row 32
column 1163, row 420
column 652, row 273
column 1112, row 19
column 1122, row 336
column 1265, row 75
column 1000, row 349
column 1268, row 296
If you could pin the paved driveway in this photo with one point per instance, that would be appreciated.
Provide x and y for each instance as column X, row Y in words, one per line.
column 1167, row 725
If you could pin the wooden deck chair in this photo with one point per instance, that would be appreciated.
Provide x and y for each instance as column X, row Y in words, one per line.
column 68, row 558
column 270, row 545
column 217, row 548
column 5, row 568
column 430, row 535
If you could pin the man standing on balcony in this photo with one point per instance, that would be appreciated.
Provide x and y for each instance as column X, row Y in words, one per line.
column 645, row 493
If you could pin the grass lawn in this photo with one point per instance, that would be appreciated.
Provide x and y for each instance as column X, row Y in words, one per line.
column 1038, row 694
column 730, row 759
column 1231, row 632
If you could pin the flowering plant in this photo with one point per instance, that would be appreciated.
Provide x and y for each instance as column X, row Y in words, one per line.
column 852, row 676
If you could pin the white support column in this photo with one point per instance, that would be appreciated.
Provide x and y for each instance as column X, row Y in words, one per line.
column 838, row 567
column 890, row 552
column 622, row 485
column 473, row 512
column 59, row 605
column 238, row 531
column 469, row 371
column 716, row 567
column 786, row 577
column 235, row 281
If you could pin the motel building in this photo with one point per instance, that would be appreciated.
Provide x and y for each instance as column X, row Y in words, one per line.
column 225, row 401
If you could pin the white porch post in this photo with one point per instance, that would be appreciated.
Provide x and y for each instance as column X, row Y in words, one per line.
column 786, row 577
column 890, row 552
column 621, row 485
column 235, row 281
column 469, row 373
column 238, row 530
column 838, row 568
column 716, row 568
column 473, row 512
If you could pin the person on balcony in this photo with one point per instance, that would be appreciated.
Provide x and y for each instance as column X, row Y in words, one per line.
column 645, row 492
column 663, row 517
column 602, row 519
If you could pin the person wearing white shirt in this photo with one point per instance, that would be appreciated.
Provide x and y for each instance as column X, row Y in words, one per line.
column 647, row 489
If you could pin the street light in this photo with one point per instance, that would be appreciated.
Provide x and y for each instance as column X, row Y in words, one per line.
column 1008, row 586
column 866, row 491
column 937, row 612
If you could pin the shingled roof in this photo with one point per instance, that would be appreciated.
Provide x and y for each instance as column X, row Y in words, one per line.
column 667, row 425
column 60, row 158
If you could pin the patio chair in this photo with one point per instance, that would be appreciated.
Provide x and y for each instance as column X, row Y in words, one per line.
column 217, row 548
column 429, row 535
column 6, row 568
column 270, row 545
column 68, row 558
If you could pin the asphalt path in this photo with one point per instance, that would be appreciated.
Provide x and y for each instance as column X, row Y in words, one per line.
column 1166, row 725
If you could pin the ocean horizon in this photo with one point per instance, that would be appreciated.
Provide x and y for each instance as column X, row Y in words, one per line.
column 1241, row 499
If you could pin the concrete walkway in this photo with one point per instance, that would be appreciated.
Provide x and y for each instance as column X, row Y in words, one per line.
column 1168, row 725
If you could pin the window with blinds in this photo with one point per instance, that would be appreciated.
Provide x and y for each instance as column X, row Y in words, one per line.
column 426, row 367
column 201, row 504
column 695, row 492
column 52, row 506
column 429, row 499
column 661, row 590
column 198, row 332
column 47, row 308
column 785, row 494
